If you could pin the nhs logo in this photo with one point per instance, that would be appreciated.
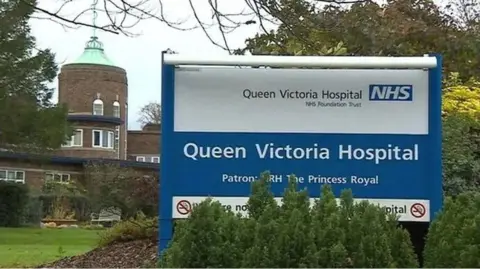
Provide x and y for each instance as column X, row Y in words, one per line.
column 384, row 92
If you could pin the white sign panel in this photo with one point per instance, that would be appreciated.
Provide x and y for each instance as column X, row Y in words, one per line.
column 407, row 210
column 301, row 101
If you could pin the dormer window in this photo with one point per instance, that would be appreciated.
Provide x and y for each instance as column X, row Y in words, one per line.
column 98, row 106
column 116, row 109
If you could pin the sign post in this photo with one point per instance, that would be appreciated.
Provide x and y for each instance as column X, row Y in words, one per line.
column 369, row 124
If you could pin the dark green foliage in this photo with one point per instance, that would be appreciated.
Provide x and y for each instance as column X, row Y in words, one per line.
column 137, row 228
column 34, row 123
column 453, row 239
column 108, row 185
column 207, row 238
column 461, row 154
column 72, row 196
column 291, row 235
column 78, row 204
column 370, row 28
column 13, row 203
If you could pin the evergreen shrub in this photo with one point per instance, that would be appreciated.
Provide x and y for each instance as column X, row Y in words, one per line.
column 290, row 234
column 453, row 239
column 14, row 199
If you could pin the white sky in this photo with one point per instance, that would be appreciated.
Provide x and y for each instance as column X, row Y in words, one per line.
column 139, row 56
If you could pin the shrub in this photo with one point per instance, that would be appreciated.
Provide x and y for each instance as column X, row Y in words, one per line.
column 13, row 203
column 139, row 227
column 34, row 211
column 293, row 234
column 461, row 152
column 110, row 185
column 453, row 239
column 65, row 201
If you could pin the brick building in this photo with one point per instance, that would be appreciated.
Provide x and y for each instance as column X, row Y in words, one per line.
column 96, row 92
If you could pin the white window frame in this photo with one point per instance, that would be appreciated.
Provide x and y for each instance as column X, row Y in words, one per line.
column 53, row 174
column 116, row 109
column 140, row 158
column 71, row 141
column 155, row 159
column 100, row 138
column 110, row 139
column 15, row 179
column 98, row 107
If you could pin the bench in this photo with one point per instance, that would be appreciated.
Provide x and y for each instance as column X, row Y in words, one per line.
column 106, row 217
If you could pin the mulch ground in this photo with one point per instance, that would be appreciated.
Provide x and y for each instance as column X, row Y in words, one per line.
column 133, row 254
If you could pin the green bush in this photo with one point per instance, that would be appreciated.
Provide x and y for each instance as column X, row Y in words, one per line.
column 139, row 227
column 78, row 204
column 13, row 203
column 454, row 236
column 72, row 198
column 291, row 235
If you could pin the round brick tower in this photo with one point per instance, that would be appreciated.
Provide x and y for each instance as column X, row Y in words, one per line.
column 96, row 92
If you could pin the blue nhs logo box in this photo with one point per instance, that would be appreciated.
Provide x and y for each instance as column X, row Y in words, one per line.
column 383, row 92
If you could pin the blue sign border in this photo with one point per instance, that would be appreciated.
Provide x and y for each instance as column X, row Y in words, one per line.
column 167, row 184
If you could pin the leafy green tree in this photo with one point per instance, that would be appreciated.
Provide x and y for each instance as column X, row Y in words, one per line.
column 461, row 97
column 29, row 119
column 461, row 154
column 461, row 135
column 453, row 240
column 396, row 27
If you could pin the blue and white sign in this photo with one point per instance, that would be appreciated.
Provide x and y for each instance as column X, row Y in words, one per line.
column 374, row 131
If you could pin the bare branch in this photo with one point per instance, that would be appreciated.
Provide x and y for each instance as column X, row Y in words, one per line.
column 123, row 15
column 150, row 113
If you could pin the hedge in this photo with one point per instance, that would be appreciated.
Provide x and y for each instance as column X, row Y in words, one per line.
column 14, row 198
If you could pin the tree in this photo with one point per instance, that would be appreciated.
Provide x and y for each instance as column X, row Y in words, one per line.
column 290, row 234
column 461, row 136
column 460, row 97
column 108, row 185
column 398, row 27
column 120, row 16
column 453, row 239
column 150, row 113
column 29, row 119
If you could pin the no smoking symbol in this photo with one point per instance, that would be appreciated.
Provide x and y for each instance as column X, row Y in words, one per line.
column 418, row 210
column 184, row 207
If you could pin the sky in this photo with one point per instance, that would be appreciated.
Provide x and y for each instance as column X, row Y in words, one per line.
column 139, row 55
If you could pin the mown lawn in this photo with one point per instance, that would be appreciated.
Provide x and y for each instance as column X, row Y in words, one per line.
column 28, row 247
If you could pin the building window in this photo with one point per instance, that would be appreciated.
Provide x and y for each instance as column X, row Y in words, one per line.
column 12, row 175
column 116, row 109
column 98, row 107
column 76, row 140
column 97, row 138
column 57, row 177
column 111, row 140
column 155, row 159
column 103, row 139
column 116, row 143
column 140, row 158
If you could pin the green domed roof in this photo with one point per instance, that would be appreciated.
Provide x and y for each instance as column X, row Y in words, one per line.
column 94, row 54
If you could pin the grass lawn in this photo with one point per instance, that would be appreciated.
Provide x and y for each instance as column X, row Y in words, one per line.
column 29, row 247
